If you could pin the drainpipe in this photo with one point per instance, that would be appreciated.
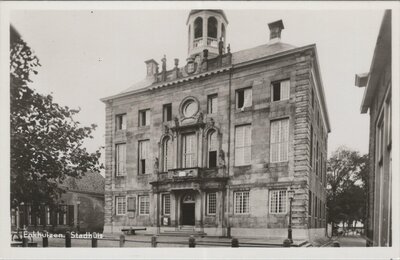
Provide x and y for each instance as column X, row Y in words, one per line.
column 229, row 155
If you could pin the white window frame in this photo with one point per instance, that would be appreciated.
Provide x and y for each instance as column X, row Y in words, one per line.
column 280, row 144
column 247, row 98
column 242, row 210
column 212, row 104
column 164, row 204
column 146, row 113
column 120, row 211
column 145, row 210
column 192, row 154
column 211, row 134
column 279, row 201
column 284, row 90
column 120, row 163
column 143, row 154
column 214, row 202
column 167, row 154
column 243, row 146
column 120, row 121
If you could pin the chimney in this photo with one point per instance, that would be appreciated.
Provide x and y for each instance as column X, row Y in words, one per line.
column 275, row 29
column 152, row 66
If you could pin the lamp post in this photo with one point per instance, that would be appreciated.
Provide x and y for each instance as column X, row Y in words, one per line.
column 291, row 196
column 78, row 202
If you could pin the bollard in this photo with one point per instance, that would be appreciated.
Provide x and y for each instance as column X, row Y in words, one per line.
column 192, row 241
column 336, row 244
column 286, row 242
column 234, row 242
column 154, row 241
column 24, row 241
column 67, row 239
column 45, row 242
column 94, row 240
column 121, row 240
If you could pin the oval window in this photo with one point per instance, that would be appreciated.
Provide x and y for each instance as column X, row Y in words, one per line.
column 190, row 108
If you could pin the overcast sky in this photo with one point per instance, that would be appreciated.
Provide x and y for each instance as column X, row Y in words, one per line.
column 88, row 55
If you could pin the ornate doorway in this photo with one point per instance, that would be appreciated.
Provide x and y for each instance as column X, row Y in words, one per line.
column 188, row 210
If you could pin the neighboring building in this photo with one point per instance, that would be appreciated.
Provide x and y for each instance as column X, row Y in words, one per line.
column 81, row 208
column 216, row 144
column 378, row 100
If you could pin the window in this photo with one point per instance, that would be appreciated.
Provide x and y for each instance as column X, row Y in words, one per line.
column 121, row 122
column 277, row 202
column 317, row 159
column 144, row 117
column 167, row 154
column 62, row 215
column 189, row 151
column 242, row 202
column 389, row 123
column 143, row 161
column 211, row 203
column 280, row 90
column 166, row 202
column 212, row 149
column 212, row 27
column 279, row 140
column 244, row 98
column 144, row 205
column 311, row 147
column 212, row 104
column 242, row 145
column 309, row 203
column 120, row 159
column 167, row 112
column 198, row 27
column 131, row 203
column 312, row 98
column 48, row 215
column 120, row 203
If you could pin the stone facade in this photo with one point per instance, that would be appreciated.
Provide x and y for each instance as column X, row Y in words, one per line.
column 377, row 100
column 224, row 75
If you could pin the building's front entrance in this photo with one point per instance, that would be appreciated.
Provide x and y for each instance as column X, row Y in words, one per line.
column 188, row 210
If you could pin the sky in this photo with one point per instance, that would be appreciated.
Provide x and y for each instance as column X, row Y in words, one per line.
column 90, row 54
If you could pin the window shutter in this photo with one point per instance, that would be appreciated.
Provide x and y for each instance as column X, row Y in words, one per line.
column 147, row 117
column 284, row 139
column 274, row 140
column 123, row 123
column 247, row 145
column 247, row 98
column 285, row 89
column 131, row 203
column 239, row 142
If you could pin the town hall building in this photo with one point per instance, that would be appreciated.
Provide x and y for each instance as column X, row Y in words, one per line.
column 223, row 144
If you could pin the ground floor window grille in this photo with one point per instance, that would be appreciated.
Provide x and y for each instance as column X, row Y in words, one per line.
column 241, row 202
column 277, row 202
column 120, row 205
column 211, row 203
column 166, row 198
column 144, row 205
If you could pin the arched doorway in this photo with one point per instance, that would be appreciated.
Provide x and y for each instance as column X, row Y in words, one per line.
column 188, row 209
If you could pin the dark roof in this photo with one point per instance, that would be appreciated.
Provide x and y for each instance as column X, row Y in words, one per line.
column 260, row 52
column 91, row 182
column 218, row 11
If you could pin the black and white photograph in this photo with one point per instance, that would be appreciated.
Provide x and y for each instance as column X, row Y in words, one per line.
column 136, row 126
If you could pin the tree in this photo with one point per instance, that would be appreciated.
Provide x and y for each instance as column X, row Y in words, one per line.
column 46, row 142
column 347, row 186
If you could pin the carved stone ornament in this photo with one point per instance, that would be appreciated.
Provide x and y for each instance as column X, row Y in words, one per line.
column 191, row 66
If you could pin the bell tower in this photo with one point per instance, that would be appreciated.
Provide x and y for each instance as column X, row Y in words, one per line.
column 206, row 28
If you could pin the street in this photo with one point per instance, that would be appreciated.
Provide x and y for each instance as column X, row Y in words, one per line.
column 348, row 241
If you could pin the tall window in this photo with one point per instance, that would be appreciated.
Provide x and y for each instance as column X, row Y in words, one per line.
column 167, row 112
column 189, row 151
column 317, row 159
column 212, row 27
column 62, row 216
column 48, row 212
column 198, row 27
column 244, row 98
column 166, row 202
column 144, row 117
column 277, row 201
column 223, row 32
column 280, row 90
column 144, row 205
column 120, row 205
column 242, row 145
column 143, row 154
column 120, row 159
column 212, row 104
column 311, row 147
column 242, row 202
column 212, row 149
column 121, row 122
column 211, row 203
column 131, row 203
column 167, row 154
column 279, row 140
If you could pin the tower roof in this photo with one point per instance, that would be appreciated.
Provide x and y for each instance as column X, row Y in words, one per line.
column 218, row 11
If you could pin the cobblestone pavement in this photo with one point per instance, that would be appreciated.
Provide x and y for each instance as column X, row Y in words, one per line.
column 349, row 241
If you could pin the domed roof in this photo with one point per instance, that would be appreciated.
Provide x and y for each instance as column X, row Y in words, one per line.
column 218, row 11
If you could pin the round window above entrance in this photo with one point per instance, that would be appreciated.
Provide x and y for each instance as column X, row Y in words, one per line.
column 190, row 108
